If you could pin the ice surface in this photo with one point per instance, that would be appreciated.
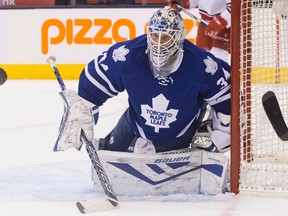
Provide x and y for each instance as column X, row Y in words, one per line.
column 35, row 181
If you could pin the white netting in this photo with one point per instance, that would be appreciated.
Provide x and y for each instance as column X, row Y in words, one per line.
column 264, row 62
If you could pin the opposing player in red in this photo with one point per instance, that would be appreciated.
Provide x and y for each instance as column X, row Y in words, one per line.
column 216, row 36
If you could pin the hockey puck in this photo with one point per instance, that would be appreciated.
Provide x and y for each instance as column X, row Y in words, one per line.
column 3, row 76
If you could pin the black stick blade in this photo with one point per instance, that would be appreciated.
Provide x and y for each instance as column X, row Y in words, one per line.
column 274, row 114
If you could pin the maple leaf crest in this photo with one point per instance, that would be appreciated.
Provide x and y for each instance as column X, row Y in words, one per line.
column 158, row 116
column 120, row 53
column 211, row 65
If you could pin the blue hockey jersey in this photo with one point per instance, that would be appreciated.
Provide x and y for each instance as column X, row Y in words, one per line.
column 160, row 108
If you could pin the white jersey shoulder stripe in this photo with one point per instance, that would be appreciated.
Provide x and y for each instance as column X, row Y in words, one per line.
column 219, row 94
column 101, row 74
column 220, row 99
column 97, row 84
column 216, row 98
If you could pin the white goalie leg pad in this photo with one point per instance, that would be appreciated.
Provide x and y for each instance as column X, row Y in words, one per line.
column 215, row 175
column 77, row 115
column 204, row 172
column 172, row 172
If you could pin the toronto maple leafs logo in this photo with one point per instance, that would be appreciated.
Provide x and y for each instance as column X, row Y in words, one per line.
column 158, row 116
column 120, row 53
column 211, row 65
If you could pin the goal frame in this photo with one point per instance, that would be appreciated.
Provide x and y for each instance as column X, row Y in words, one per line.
column 241, row 61
column 235, row 95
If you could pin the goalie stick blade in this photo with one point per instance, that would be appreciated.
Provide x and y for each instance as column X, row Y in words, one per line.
column 96, row 205
column 274, row 114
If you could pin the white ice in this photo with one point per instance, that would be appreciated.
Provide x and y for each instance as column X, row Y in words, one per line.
column 35, row 181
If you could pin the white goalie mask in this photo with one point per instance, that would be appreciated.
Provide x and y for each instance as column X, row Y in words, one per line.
column 165, row 37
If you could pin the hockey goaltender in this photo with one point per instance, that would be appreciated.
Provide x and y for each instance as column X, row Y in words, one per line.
column 162, row 144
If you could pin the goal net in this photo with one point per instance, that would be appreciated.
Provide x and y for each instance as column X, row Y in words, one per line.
column 259, row 60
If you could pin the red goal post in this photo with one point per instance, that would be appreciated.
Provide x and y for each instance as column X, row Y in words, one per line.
column 259, row 62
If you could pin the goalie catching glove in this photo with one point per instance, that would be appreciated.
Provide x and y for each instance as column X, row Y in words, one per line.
column 213, row 135
column 78, row 115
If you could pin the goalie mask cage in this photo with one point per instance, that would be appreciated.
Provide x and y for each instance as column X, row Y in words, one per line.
column 259, row 62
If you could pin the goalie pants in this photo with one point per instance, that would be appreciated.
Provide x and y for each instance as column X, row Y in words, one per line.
column 122, row 137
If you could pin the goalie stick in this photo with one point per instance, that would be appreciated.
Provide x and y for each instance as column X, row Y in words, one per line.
column 98, row 204
column 274, row 114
